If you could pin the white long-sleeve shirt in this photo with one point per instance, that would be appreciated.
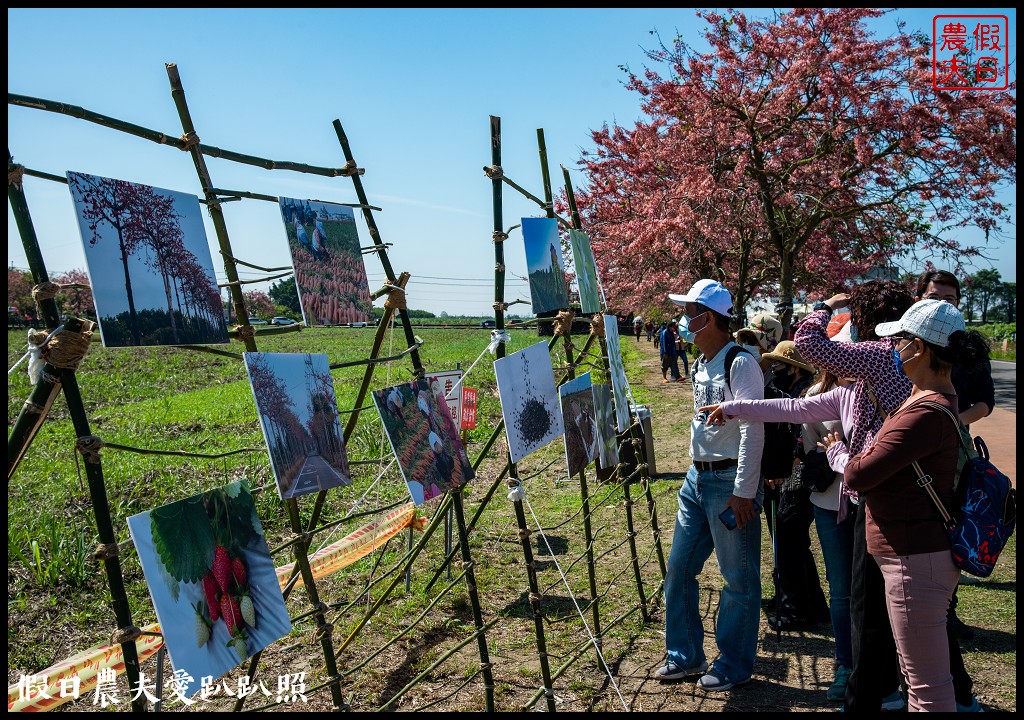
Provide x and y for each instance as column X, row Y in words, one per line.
column 738, row 440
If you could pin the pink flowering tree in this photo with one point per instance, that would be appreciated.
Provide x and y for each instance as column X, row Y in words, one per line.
column 258, row 304
column 75, row 301
column 796, row 153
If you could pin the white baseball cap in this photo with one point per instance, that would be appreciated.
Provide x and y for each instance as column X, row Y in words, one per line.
column 931, row 320
column 709, row 293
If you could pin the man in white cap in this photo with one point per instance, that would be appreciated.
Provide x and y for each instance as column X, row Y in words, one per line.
column 724, row 480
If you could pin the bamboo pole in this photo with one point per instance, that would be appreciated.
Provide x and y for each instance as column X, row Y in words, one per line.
column 588, row 534
column 182, row 143
column 191, row 143
column 371, row 224
column 66, row 380
column 419, row 372
column 499, row 323
column 652, row 508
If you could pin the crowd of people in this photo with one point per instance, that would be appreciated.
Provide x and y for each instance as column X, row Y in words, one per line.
column 824, row 429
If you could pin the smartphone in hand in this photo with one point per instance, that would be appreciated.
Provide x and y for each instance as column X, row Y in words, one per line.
column 728, row 517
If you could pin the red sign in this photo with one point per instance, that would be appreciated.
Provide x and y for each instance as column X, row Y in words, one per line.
column 970, row 52
column 468, row 408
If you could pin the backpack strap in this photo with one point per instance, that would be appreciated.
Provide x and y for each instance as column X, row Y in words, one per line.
column 730, row 358
column 960, row 428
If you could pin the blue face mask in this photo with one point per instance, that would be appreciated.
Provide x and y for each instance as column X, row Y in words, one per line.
column 897, row 358
column 683, row 328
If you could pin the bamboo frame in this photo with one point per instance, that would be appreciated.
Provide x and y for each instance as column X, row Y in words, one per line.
column 499, row 323
column 51, row 382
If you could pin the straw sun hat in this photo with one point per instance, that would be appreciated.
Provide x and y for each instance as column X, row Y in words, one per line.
column 786, row 352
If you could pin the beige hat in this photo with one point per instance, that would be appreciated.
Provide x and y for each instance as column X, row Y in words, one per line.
column 767, row 330
column 786, row 352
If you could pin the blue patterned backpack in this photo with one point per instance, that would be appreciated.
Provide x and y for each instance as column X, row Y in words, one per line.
column 987, row 505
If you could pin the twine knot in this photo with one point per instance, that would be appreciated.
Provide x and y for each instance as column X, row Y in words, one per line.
column 67, row 349
column 15, row 173
column 535, row 597
column 106, row 551
column 189, row 140
column 245, row 332
column 125, row 635
column 45, row 291
column 494, row 172
column 89, row 446
column 499, row 236
column 396, row 298
column 563, row 323
column 597, row 325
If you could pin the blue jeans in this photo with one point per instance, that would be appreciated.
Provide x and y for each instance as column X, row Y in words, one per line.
column 698, row 531
column 837, row 549
column 686, row 362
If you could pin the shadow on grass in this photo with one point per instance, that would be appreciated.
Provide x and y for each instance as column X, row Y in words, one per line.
column 553, row 606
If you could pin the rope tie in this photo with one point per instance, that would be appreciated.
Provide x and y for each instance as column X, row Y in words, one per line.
column 597, row 326
column 89, row 446
column 15, row 173
column 525, row 533
column 503, row 306
column 125, row 635
column 245, row 332
column 494, row 172
column 500, row 267
column 468, row 564
column 396, row 298
column 33, row 409
column 321, row 607
column 549, row 693
column 535, row 597
column 350, row 168
column 106, row 551
column 327, row 629
column 569, row 346
column 498, row 236
column 66, row 350
column 188, row 141
column 563, row 323
column 45, row 291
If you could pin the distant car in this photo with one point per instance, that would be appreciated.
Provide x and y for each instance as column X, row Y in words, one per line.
column 257, row 321
column 359, row 324
column 486, row 323
column 394, row 322
column 282, row 321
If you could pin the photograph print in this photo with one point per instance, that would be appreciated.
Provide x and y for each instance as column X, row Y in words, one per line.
column 212, row 581
column 544, row 264
column 529, row 399
column 581, row 437
column 620, row 387
column 149, row 264
column 299, row 415
column 330, row 274
column 608, row 450
column 586, row 272
column 424, row 437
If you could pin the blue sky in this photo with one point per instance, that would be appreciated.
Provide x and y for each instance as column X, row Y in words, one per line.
column 414, row 90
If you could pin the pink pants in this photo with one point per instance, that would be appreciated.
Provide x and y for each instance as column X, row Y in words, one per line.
column 918, row 589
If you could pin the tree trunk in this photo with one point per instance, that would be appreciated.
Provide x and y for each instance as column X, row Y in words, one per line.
column 133, row 318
